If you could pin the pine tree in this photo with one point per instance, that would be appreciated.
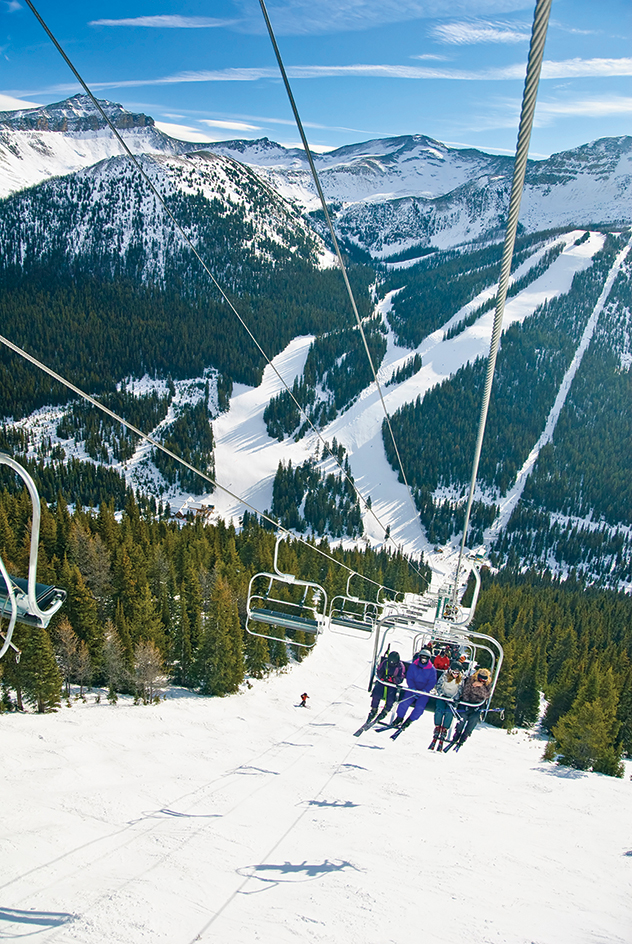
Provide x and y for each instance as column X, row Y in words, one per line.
column 584, row 739
column 219, row 660
column 181, row 649
column 115, row 670
column 145, row 621
column 256, row 655
column 42, row 680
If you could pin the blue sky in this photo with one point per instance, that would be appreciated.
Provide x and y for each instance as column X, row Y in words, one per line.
column 451, row 69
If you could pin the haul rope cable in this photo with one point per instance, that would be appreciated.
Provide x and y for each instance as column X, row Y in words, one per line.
column 190, row 244
column 158, row 445
column 343, row 269
column 532, row 80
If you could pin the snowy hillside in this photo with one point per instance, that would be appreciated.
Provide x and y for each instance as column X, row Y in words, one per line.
column 248, row 819
column 55, row 140
column 108, row 209
column 391, row 194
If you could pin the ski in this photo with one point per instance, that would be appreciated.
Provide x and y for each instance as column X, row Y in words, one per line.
column 435, row 738
column 400, row 730
column 367, row 724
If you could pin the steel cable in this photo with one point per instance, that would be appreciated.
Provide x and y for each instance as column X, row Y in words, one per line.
column 532, row 80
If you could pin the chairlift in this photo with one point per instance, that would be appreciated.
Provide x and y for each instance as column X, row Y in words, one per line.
column 350, row 615
column 26, row 601
column 434, row 616
column 267, row 610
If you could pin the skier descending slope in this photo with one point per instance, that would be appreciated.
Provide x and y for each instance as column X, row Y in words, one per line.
column 391, row 669
column 421, row 677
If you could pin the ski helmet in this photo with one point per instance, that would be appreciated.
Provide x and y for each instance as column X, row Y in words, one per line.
column 393, row 658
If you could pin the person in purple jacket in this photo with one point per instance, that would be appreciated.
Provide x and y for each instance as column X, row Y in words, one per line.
column 391, row 669
column 421, row 676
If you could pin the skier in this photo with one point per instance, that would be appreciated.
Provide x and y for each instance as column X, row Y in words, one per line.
column 476, row 691
column 304, row 698
column 391, row 669
column 421, row 676
column 449, row 685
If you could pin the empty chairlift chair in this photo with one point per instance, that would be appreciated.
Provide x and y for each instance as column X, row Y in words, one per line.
column 283, row 608
column 26, row 601
column 352, row 616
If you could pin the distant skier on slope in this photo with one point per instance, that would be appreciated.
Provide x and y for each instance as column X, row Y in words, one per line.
column 422, row 677
column 304, row 698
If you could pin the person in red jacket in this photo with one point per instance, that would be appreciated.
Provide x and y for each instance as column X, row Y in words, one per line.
column 442, row 661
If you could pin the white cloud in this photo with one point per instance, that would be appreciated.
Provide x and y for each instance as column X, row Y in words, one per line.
column 569, row 68
column 586, row 68
column 13, row 5
column 230, row 125
column 300, row 17
column 166, row 22
column 431, row 56
column 589, row 108
column 182, row 132
column 468, row 33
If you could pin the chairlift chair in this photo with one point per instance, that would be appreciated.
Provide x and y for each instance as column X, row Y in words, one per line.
column 434, row 615
column 26, row 601
column 350, row 615
column 267, row 611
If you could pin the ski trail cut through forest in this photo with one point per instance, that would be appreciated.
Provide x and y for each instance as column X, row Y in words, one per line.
column 512, row 498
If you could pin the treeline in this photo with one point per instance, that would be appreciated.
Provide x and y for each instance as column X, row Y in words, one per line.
column 149, row 599
column 190, row 437
column 574, row 644
column 540, row 267
column 436, row 436
column 75, row 481
column 576, row 508
column 104, row 439
column 435, row 289
column 411, row 367
column 304, row 497
column 336, row 371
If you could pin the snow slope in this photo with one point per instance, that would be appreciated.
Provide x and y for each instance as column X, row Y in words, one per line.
column 247, row 459
column 246, row 819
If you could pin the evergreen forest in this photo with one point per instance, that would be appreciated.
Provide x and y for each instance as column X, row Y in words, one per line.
column 151, row 601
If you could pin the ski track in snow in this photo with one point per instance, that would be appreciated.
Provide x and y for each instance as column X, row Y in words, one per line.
column 245, row 819
column 509, row 502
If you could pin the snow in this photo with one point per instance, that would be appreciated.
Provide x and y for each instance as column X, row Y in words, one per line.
column 247, row 819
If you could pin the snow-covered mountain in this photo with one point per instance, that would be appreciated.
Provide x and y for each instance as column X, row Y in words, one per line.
column 69, row 242
column 386, row 195
column 55, row 140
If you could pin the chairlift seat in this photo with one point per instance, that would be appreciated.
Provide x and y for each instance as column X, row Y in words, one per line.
column 50, row 597
column 285, row 620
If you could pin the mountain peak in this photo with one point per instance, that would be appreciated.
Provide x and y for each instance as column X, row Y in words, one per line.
column 77, row 113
